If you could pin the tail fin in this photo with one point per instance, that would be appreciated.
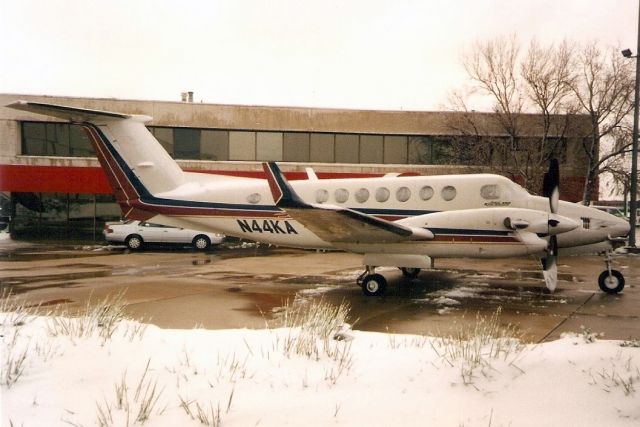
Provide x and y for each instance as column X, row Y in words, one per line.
column 135, row 163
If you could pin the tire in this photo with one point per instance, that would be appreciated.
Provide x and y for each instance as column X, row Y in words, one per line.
column 134, row 242
column 410, row 272
column 374, row 285
column 611, row 284
column 201, row 242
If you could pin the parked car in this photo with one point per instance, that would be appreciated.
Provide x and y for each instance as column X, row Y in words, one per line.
column 135, row 234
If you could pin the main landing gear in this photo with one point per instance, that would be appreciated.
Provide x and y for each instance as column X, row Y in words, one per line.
column 610, row 281
column 374, row 284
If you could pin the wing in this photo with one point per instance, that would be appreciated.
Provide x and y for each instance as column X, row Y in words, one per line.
column 335, row 224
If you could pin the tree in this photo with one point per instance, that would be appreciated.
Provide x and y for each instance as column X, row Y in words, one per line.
column 603, row 88
column 555, row 82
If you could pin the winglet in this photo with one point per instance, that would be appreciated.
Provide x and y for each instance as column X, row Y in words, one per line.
column 282, row 192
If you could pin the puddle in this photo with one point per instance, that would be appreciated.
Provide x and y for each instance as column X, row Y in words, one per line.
column 17, row 285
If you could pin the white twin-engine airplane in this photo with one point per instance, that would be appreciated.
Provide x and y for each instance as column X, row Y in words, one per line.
column 404, row 222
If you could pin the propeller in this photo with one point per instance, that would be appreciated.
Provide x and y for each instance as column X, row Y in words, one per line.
column 550, row 190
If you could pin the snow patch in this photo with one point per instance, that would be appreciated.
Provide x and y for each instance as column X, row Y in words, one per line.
column 248, row 377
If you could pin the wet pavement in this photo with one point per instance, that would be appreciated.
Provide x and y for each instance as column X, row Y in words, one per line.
column 238, row 287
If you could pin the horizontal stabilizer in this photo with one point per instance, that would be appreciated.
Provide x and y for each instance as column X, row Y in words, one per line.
column 73, row 114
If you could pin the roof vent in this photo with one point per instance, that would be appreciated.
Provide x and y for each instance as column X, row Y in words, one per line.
column 186, row 96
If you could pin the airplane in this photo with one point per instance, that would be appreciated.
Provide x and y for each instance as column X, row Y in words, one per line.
column 392, row 220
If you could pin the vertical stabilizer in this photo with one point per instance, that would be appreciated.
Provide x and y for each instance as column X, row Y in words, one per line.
column 135, row 163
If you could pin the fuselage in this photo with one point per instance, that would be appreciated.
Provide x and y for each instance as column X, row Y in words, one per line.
column 247, row 210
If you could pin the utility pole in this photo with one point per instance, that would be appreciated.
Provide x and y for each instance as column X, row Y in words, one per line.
column 634, row 145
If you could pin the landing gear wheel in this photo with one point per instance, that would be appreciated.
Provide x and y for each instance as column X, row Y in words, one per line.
column 611, row 283
column 201, row 242
column 410, row 272
column 374, row 285
column 134, row 242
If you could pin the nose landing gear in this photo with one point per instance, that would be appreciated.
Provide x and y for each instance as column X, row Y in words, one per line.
column 610, row 281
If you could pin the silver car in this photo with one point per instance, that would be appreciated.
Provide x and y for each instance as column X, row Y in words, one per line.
column 135, row 234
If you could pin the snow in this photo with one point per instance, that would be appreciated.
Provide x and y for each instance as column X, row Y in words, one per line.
column 253, row 377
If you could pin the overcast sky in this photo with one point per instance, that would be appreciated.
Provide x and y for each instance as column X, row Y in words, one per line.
column 394, row 54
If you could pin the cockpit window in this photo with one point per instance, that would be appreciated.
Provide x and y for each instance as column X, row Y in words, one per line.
column 448, row 193
column 490, row 192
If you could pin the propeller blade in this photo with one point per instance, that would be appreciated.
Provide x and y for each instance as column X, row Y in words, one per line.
column 549, row 264
column 550, row 185
column 550, row 189
column 551, row 274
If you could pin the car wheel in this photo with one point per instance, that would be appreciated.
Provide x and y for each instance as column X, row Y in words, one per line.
column 201, row 242
column 134, row 242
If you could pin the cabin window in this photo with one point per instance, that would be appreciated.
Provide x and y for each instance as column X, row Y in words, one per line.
column 362, row 195
column 426, row 192
column 403, row 194
column 448, row 193
column 254, row 198
column 322, row 196
column 490, row 192
column 341, row 195
column 382, row 194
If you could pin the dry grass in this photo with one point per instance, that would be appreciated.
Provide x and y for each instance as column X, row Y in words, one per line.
column 476, row 346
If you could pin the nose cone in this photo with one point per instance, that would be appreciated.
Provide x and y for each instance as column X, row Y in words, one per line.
column 618, row 227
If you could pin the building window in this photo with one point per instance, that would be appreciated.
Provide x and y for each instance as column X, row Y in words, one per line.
column 371, row 147
column 295, row 147
column 186, row 143
column 395, row 149
column 214, row 145
column 321, row 148
column 347, row 148
column 431, row 150
column 55, row 139
column 164, row 137
column 269, row 146
column 242, row 145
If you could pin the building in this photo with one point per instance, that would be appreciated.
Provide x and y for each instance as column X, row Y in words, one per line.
column 53, row 186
